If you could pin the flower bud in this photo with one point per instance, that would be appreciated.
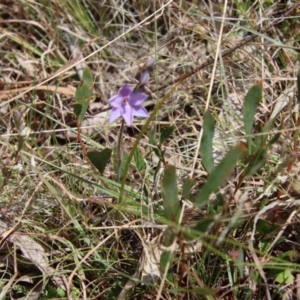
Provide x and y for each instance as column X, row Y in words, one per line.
column 17, row 118
column 144, row 78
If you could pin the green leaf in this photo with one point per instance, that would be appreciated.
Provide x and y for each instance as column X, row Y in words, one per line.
column 139, row 160
column 261, row 140
column 257, row 161
column 165, row 134
column 264, row 245
column 170, row 194
column 252, row 100
column 75, row 291
column 298, row 87
column 274, row 139
column 50, row 292
column 60, row 292
column 186, row 188
column 99, row 159
column 83, row 95
column 153, row 143
column 203, row 225
column 77, row 109
column 219, row 173
column 267, row 128
column 165, row 258
column 206, row 148
column 264, row 227
column 288, row 255
column 285, row 277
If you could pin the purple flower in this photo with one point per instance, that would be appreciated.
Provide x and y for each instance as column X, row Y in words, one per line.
column 127, row 104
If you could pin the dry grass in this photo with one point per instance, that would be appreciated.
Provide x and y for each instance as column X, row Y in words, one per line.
column 94, row 247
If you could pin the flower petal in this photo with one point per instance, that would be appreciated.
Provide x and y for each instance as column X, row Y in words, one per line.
column 125, row 91
column 127, row 114
column 139, row 111
column 136, row 98
column 116, row 101
column 116, row 112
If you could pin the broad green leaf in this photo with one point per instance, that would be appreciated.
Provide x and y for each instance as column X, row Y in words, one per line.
column 99, row 159
column 206, row 148
column 285, row 277
column 252, row 100
column 165, row 258
column 298, row 87
column 266, row 130
column 204, row 224
column 50, row 292
column 83, row 95
column 139, row 160
column 77, row 109
column 171, row 276
column 261, row 140
column 268, row 126
column 186, row 188
column 170, row 194
column 166, row 133
column 264, row 227
column 218, row 175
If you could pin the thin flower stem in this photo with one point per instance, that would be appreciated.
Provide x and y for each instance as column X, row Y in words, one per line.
column 120, row 157
column 120, row 151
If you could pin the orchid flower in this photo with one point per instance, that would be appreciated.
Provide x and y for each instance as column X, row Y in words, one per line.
column 127, row 104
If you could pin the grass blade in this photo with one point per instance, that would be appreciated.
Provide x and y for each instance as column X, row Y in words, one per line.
column 206, row 149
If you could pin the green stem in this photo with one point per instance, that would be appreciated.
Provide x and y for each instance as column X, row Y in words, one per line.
column 120, row 151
